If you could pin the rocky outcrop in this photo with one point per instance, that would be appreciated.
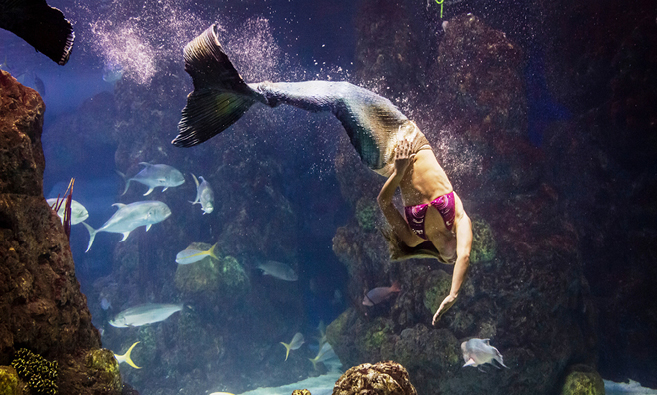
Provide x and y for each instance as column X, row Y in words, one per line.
column 382, row 378
column 41, row 305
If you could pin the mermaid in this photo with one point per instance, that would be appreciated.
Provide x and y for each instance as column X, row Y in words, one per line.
column 435, row 225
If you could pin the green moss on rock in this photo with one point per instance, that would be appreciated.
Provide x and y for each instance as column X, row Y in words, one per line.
column 8, row 381
column 436, row 288
column 106, row 367
column 366, row 211
column 484, row 246
column 583, row 380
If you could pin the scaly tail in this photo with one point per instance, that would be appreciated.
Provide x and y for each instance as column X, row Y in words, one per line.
column 220, row 96
column 287, row 348
column 127, row 181
column 92, row 234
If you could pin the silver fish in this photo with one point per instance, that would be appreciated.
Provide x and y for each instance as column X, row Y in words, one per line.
column 131, row 216
column 144, row 314
column 155, row 176
column 327, row 356
column 78, row 212
column 479, row 351
column 193, row 254
column 204, row 195
column 278, row 270
column 296, row 342
column 379, row 294
column 633, row 387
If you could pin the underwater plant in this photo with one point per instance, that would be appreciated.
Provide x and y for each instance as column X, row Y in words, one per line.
column 39, row 373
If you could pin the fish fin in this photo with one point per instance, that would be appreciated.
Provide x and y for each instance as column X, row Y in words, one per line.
column 149, row 191
column 43, row 27
column 126, row 180
column 395, row 286
column 148, row 227
column 165, row 188
column 146, row 164
column 314, row 361
column 119, row 205
column 128, row 360
column 195, row 180
column 470, row 362
column 220, row 95
column 125, row 236
column 92, row 235
column 198, row 194
column 287, row 350
column 211, row 251
column 487, row 341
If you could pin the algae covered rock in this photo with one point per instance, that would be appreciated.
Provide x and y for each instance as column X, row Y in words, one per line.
column 484, row 246
column 301, row 392
column 225, row 276
column 583, row 380
column 9, row 381
column 366, row 212
column 436, row 288
column 105, row 367
column 382, row 378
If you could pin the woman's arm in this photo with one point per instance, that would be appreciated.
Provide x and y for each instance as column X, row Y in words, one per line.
column 394, row 218
column 463, row 230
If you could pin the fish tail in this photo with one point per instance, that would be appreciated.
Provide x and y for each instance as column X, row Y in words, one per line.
column 314, row 361
column 198, row 195
column 220, row 95
column 128, row 360
column 127, row 181
column 211, row 251
column 287, row 349
column 92, row 235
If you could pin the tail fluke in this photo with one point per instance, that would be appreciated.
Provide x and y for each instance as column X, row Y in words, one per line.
column 127, row 181
column 42, row 26
column 220, row 96
column 211, row 251
column 92, row 235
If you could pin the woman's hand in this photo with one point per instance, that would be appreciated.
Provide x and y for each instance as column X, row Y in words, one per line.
column 402, row 156
column 444, row 306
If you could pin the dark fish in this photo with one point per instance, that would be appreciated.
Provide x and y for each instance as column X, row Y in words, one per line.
column 379, row 294
column 42, row 26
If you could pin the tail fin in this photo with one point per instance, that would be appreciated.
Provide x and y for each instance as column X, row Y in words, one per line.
column 287, row 350
column 126, row 357
column 198, row 195
column 314, row 361
column 127, row 181
column 220, row 96
column 92, row 235
column 42, row 26
column 211, row 251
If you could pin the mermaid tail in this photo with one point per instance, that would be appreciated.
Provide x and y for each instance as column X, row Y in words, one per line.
column 221, row 97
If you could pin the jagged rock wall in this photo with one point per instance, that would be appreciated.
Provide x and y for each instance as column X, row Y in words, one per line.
column 41, row 305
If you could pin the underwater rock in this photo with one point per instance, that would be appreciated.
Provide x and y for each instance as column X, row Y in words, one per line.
column 583, row 380
column 382, row 378
column 40, row 299
column 9, row 381
column 104, row 367
column 301, row 392
column 484, row 246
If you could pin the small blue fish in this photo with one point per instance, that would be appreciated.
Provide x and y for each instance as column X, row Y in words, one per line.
column 105, row 304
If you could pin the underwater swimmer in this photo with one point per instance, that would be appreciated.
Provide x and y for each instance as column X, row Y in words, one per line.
column 386, row 141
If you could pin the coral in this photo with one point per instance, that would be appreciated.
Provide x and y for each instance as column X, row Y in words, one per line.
column 8, row 381
column 106, row 368
column 383, row 378
column 39, row 373
column 366, row 211
column 484, row 246
column 583, row 380
column 301, row 392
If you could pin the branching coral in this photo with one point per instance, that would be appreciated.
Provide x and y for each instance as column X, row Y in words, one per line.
column 39, row 373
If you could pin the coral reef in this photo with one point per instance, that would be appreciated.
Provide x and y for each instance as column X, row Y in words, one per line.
column 9, row 381
column 583, row 380
column 39, row 373
column 382, row 378
column 40, row 299
column 301, row 392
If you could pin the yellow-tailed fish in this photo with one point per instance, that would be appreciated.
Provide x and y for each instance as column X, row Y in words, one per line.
column 325, row 353
column 193, row 254
column 126, row 357
column 296, row 342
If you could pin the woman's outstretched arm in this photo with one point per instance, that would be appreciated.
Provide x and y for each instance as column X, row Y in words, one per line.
column 394, row 218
